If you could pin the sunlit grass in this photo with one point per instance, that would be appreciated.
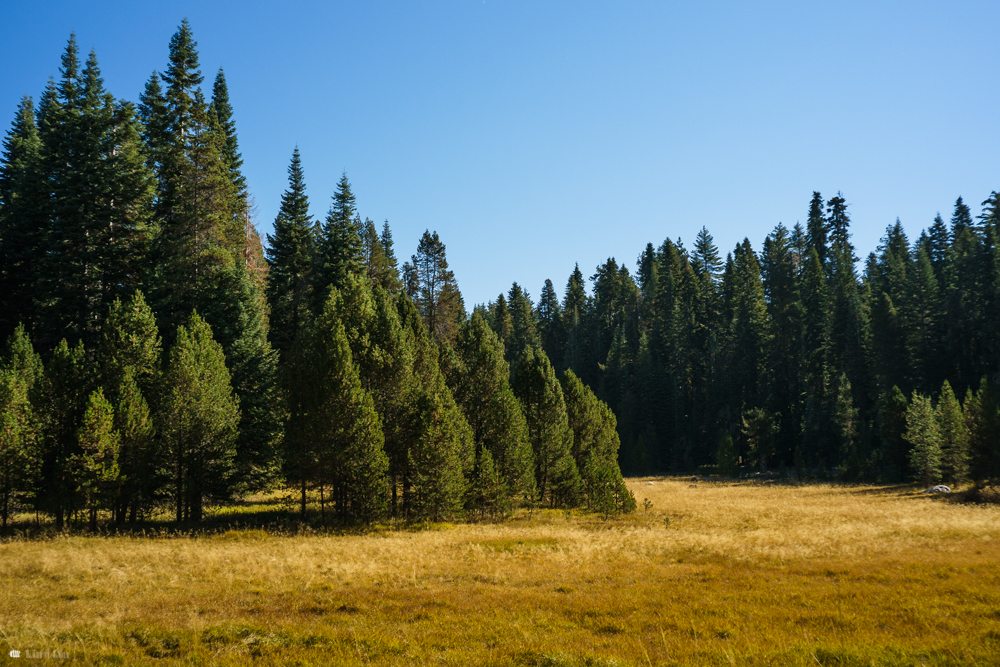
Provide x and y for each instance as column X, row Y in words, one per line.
column 719, row 574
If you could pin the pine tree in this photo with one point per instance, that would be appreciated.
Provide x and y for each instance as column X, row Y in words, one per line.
column 130, row 343
column 523, row 332
column 20, row 454
column 760, row 427
column 19, row 245
column 96, row 466
column 335, row 437
column 380, row 264
column 845, row 426
column 556, row 476
column 340, row 246
column 482, row 390
column 816, row 230
column 291, row 254
column 923, row 330
column 100, row 195
column 437, row 296
column 751, row 331
column 144, row 469
column 222, row 110
column 922, row 433
column 66, row 385
column 199, row 419
column 954, row 436
column 938, row 242
column 816, row 340
column 548, row 321
column 982, row 419
column 595, row 443
column 487, row 495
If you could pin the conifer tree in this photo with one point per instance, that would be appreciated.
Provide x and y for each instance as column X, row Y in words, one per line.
column 816, row 229
column 340, row 245
column 923, row 339
column 437, row 296
column 845, row 425
column 291, row 254
column 482, row 390
column 954, row 436
column 894, row 448
column 595, row 443
column 222, row 109
column 487, row 495
column 523, row 333
column 20, row 455
column 751, row 331
column 96, row 466
column 144, row 469
column 937, row 246
column 19, row 205
column 557, row 479
column 922, row 433
column 501, row 322
column 335, row 436
column 199, row 420
column 760, row 427
column 63, row 400
column 100, row 194
column 982, row 419
column 548, row 321
column 816, row 341
column 380, row 264
column 130, row 343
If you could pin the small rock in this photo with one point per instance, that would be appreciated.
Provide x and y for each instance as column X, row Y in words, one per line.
column 649, row 484
column 692, row 486
column 940, row 488
column 694, row 479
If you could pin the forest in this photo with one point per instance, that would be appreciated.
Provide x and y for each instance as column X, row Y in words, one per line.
column 160, row 355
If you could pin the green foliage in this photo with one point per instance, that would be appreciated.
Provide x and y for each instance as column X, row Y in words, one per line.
column 954, row 436
column 334, row 434
column 727, row 459
column 481, row 386
column 760, row 428
column 199, row 419
column 982, row 419
column 290, row 255
column 434, row 290
column 339, row 251
column 924, row 436
column 96, row 467
column 20, row 456
column 557, row 478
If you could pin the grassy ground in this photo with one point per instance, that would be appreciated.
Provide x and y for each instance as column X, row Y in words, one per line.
column 721, row 574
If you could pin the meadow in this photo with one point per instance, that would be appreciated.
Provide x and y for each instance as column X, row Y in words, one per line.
column 720, row 574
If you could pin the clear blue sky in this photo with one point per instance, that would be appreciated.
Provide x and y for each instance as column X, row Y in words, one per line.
column 532, row 135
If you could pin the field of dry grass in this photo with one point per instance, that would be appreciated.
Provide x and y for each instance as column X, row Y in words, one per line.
column 721, row 574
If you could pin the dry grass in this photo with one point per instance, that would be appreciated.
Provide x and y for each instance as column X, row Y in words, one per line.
column 719, row 574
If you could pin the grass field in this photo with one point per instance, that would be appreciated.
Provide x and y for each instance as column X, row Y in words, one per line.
column 721, row 574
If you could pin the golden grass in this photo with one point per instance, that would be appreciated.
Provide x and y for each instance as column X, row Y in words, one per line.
column 719, row 574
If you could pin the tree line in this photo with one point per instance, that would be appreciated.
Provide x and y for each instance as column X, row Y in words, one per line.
column 159, row 356
column 788, row 357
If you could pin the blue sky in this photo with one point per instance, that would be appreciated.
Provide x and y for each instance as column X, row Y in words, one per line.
column 533, row 135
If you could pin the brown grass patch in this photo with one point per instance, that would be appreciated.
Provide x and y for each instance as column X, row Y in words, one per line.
column 741, row 574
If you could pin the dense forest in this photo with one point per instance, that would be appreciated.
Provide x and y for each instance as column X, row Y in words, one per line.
column 160, row 355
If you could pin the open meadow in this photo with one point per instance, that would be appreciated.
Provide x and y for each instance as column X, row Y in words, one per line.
column 721, row 574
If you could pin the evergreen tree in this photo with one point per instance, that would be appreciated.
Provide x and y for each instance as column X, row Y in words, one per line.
column 380, row 263
column 291, row 255
column 437, row 296
column 922, row 433
column 845, row 426
column 557, row 479
column 894, row 448
column 523, row 332
column 144, row 469
column 20, row 455
column 548, row 322
column 816, row 341
column 982, row 419
column 340, row 245
column 954, row 436
column 751, row 331
column 18, row 217
column 96, row 466
column 335, row 436
column 482, row 390
column 937, row 246
column 199, row 419
column 923, row 338
column 595, row 443
column 816, row 229
column 63, row 401
column 222, row 110
column 99, row 194
column 760, row 427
